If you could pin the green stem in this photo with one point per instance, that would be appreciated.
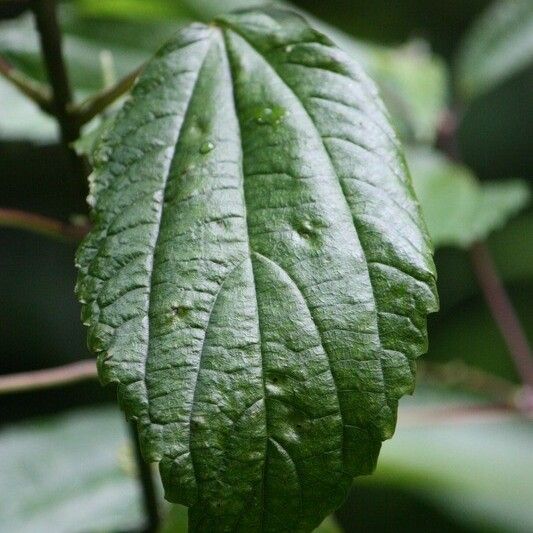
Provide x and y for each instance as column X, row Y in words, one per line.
column 98, row 102
column 35, row 91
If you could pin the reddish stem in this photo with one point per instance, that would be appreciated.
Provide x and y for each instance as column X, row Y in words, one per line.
column 15, row 218
column 48, row 378
column 503, row 311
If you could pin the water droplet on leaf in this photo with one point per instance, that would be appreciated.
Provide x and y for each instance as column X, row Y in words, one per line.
column 206, row 147
column 270, row 115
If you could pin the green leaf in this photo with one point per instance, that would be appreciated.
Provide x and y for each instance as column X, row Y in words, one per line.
column 476, row 468
column 128, row 43
column 499, row 45
column 87, row 143
column 68, row 474
column 176, row 521
column 413, row 84
column 458, row 209
column 412, row 81
column 329, row 525
column 258, row 277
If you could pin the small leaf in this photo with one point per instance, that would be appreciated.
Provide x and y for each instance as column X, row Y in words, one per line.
column 413, row 84
column 499, row 45
column 458, row 209
column 65, row 474
column 258, row 277
column 477, row 470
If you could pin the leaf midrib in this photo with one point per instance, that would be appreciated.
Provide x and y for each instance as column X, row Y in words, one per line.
column 250, row 251
column 353, row 219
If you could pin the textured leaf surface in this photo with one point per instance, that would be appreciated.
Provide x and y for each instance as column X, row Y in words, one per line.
column 499, row 45
column 458, row 209
column 176, row 522
column 258, row 277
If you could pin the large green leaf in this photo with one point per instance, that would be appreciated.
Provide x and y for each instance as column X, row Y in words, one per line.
column 258, row 277
column 458, row 209
column 499, row 45
column 68, row 474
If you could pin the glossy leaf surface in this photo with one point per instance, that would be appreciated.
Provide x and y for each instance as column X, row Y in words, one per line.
column 258, row 276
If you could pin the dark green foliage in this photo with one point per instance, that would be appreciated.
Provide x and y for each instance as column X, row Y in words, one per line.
column 258, row 276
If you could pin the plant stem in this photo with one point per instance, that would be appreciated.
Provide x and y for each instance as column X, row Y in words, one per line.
column 468, row 378
column 49, row 227
column 48, row 378
column 503, row 311
column 50, row 37
column 98, row 102
column 491, row 285
column 459, row 414
column 35, row 91
column 146, row 479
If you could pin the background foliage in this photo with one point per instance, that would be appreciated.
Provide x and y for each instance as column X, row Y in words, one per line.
column 459, row 460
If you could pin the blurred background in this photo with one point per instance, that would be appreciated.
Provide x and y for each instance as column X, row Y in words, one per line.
column 457, row 78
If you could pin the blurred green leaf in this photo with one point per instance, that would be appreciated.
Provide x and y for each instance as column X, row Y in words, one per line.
column 477, row 468
column 413, row 84
column 499, row 44
column 329, row 525
column 458, row 209
column 68, row 473
column 128, row 42
column 136, row 9
column 516, row 236
column 412, row 81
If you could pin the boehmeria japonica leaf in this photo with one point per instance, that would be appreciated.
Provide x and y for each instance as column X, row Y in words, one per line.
column 258, row 276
